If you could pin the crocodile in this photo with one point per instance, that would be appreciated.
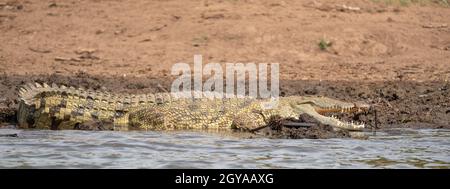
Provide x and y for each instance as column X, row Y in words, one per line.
column 44, row 106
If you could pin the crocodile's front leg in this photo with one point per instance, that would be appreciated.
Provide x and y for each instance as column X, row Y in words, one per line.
column 248, row 121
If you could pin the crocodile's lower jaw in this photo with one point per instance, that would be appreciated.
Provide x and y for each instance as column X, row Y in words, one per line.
column 356, row 126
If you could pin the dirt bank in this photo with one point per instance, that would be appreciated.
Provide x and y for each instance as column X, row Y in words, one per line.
column 361, row 40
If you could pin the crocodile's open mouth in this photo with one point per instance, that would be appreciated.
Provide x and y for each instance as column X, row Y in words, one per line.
column 330, row 113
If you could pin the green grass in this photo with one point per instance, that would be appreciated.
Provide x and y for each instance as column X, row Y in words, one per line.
column 410, row 2
column 323, row 44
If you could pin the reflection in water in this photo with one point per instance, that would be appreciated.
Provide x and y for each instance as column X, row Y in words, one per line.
column 88, row 149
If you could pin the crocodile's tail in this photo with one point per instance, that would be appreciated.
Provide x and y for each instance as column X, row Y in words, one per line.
column 42, row 104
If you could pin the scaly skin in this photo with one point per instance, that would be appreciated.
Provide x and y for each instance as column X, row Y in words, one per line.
column 54, row 107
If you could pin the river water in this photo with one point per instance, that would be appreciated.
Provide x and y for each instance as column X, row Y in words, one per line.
column 401, row 148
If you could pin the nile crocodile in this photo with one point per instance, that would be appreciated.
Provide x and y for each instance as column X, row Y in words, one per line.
column 60, row 107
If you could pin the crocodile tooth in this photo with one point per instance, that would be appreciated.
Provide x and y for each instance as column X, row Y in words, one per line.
column 45, row 85
column 27, row 88
column 22, row 91
column 38, row 85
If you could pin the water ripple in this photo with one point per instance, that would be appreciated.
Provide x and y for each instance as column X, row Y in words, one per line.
column 87, row 149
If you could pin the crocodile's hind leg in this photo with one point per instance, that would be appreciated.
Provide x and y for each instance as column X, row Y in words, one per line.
column 42, row 120
column 45, row 121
